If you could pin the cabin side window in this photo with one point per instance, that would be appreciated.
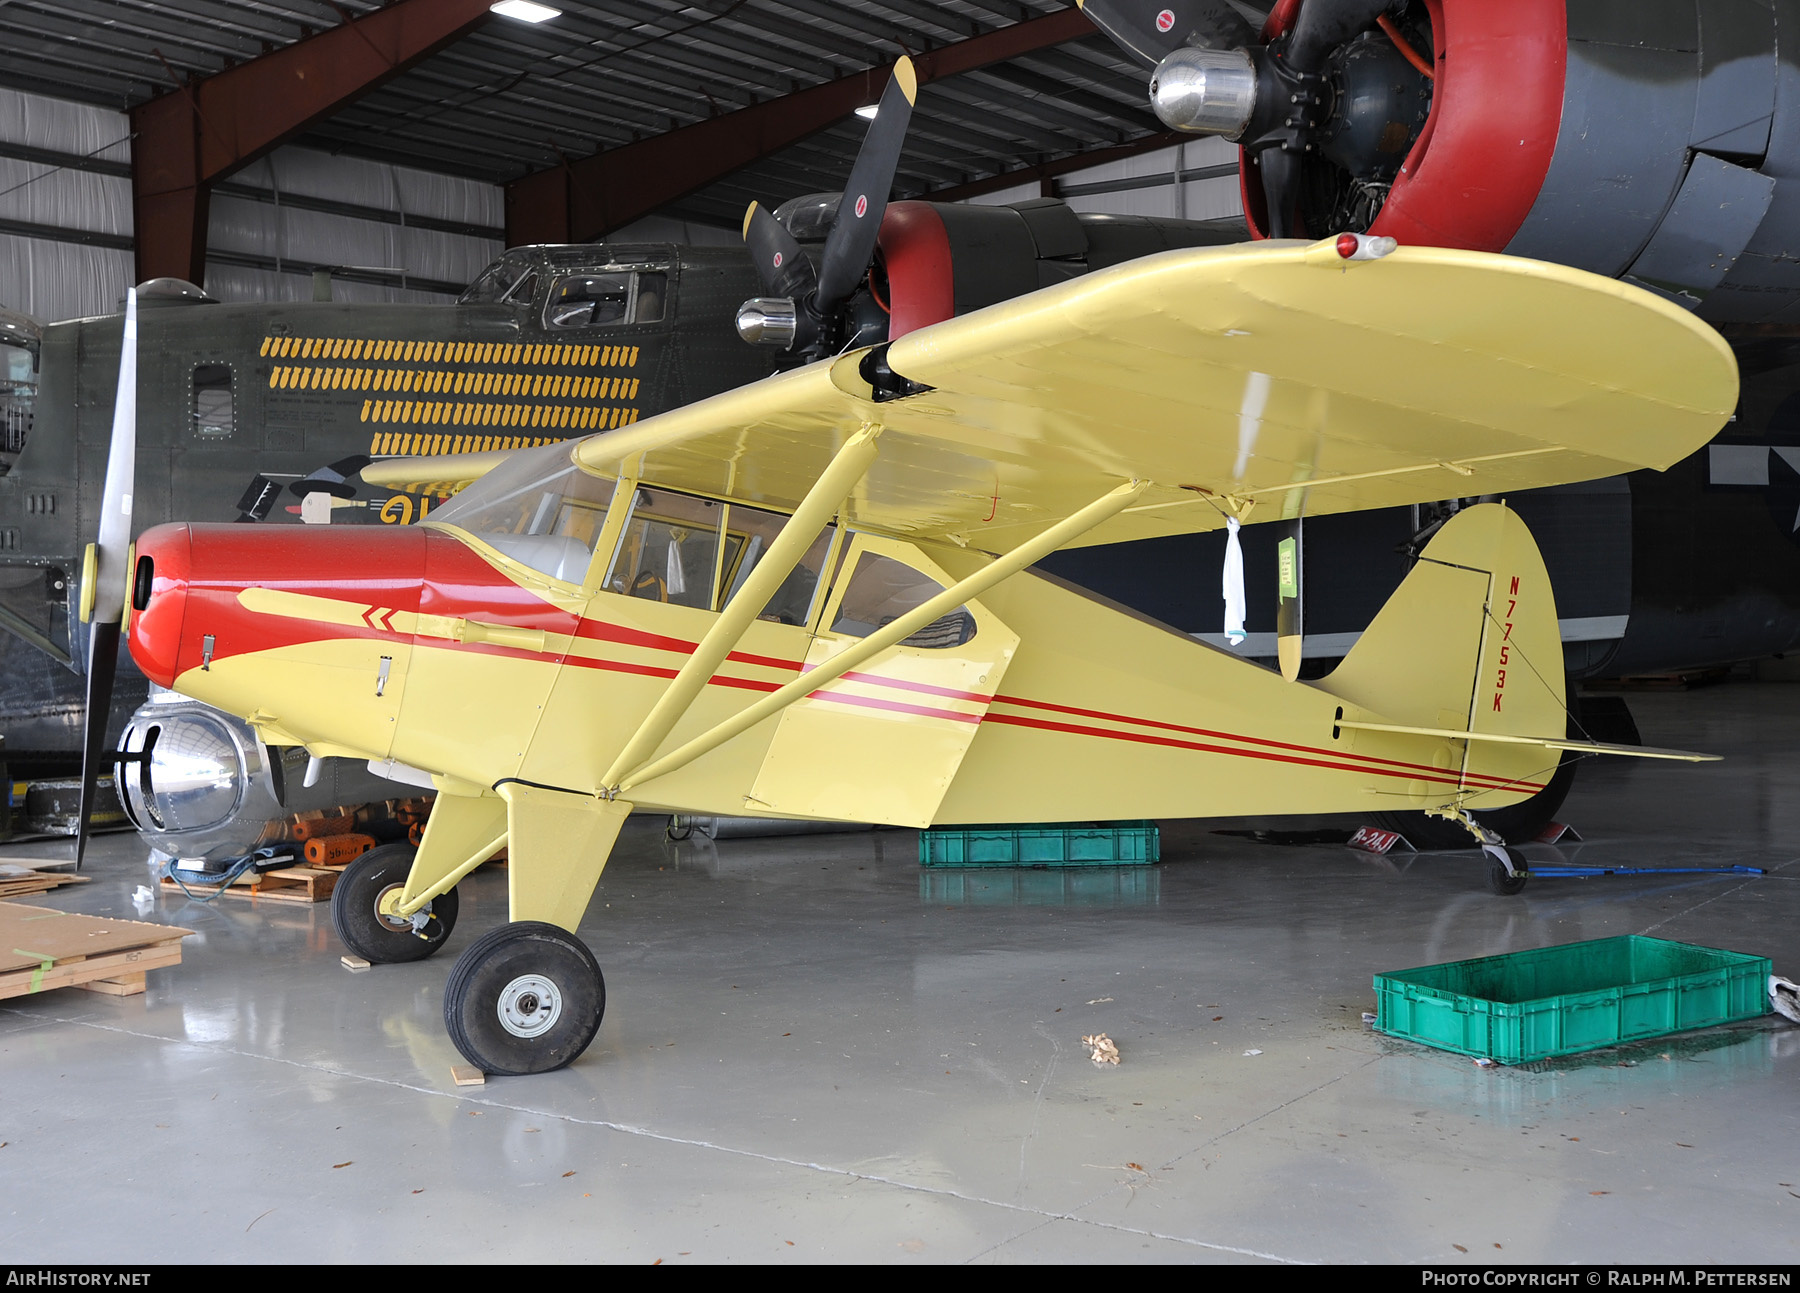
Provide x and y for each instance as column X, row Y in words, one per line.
column 748, row 533
column 212, row 409
column 669, row 551
column 606, row 300
column 881, row 590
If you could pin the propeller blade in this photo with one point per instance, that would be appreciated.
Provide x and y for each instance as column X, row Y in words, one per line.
column 103, row 663
column 1323, row 25
column 107, row 571
column 851, row 242
column 1280, row 181
column 1288, row 617
column 783, row 267
column 1150, row 32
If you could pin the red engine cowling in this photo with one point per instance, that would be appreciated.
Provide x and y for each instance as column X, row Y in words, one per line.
column 1476, row 167
column 1644, row 141
column 943, row 259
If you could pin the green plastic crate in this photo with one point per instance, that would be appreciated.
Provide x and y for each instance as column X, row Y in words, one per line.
column 1060, row 844
column 1528, row 1006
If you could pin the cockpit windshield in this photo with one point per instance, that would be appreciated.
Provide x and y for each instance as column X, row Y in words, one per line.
column 538, row 508
column 511, row 278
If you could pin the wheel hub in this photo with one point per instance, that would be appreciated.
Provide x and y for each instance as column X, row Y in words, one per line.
column 529, row 1005
column 387, row 905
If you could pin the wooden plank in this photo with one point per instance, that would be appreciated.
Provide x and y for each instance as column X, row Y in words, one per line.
column 31, row 935
column 120, row 985
column 19, row 983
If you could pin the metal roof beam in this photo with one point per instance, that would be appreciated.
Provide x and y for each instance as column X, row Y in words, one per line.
column 582, row 201
column 187, row 139
column 1043, row 172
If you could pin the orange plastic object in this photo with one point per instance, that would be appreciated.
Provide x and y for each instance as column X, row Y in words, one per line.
column 312, row 828
column 335, row 850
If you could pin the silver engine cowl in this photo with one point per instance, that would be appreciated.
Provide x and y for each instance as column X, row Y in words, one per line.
column 1205, row 91
column 210, row 789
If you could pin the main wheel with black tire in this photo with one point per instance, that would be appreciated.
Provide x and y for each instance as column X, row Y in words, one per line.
column 524, row 998
column 1502, row 879
column 362, row 909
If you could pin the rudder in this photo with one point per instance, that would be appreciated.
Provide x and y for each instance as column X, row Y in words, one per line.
column 1468, row 642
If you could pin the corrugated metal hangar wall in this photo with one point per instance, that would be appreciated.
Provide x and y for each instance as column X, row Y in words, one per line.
column 392, row 233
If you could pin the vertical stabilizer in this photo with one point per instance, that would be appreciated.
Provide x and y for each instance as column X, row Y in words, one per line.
column 1468, row 642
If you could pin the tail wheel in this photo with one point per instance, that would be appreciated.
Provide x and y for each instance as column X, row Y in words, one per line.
column 362, row 909
column 1518, row 823
column 1502, row 879
column 524, row 998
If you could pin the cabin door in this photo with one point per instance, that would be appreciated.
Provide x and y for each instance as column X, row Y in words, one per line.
column 883, row 742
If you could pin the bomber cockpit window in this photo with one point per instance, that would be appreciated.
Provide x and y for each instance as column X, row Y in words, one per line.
column 212, row 410
column 652, row 298
column 500, row 282
column 18, row 366
column 538, row 508
column 881, row 590
column 19, row 341
column 589, row 301
column 603, row 300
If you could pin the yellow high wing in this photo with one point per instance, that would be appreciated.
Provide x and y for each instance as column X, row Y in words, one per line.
column 1229, row 379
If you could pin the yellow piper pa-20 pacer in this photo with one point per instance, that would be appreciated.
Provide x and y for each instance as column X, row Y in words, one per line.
column 809, row 597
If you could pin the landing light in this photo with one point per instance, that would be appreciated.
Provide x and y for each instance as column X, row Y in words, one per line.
column 524, row 10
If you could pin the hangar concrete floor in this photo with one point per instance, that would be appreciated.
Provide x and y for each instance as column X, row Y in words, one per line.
column 815, row 1051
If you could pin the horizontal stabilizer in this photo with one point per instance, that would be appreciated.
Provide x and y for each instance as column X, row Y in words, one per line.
column 1546, row 742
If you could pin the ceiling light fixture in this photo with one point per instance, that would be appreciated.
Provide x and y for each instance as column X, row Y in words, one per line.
column 525, row 10
column 867, row 111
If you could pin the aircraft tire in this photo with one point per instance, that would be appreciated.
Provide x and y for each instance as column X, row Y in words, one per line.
column 524, row 998
column 361, row 926
column 1502, row 880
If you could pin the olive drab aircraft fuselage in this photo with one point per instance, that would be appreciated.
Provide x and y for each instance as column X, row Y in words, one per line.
column 811, row 597
column 243, row 408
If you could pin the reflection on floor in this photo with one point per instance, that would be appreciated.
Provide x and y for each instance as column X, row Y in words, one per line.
column 815, row 1051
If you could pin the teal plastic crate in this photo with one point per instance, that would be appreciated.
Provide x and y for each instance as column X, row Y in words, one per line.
column 1532, row 1005
column 1059, row 844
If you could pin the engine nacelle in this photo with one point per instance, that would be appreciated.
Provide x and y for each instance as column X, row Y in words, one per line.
column 1644, row 141
column 209, row 789
column 940, row 259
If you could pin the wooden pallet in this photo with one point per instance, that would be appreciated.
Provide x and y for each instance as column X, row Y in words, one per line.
column 41, row 950
column 296, row 884
column 19, row 884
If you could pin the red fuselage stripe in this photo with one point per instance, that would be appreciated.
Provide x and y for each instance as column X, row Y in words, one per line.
column 1495, row 783
column 1437, row 774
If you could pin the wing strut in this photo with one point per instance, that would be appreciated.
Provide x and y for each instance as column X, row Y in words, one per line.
column 847, row 467
column 1034, row 550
